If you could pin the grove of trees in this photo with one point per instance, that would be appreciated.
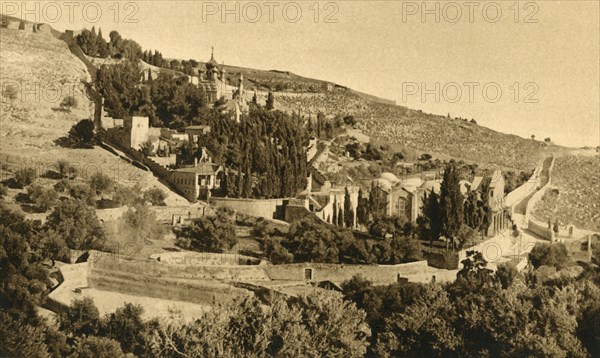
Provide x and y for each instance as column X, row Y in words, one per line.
column 448, row 214
column 311, row 240
column 482, row 313
column 93, row 44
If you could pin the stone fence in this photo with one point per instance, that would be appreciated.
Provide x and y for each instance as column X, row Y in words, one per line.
column 535, row 226
column 265, row 208
column 338, row 273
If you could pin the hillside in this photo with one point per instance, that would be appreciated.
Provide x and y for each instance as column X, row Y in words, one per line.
column 383, row 122
column 30, row 123
column 404, row 128
column 577, row 198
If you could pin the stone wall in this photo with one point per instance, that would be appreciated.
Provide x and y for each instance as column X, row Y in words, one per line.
column 181, row 214
column 13, row 25
column 378, row 274
column 111, row 214
column 198, row 291
column 540, row 193
column 204, row 259
column 294, row 213
column 538, row 227
column 265, row 208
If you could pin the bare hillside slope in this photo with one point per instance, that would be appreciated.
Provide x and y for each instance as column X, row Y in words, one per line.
column 44, row 71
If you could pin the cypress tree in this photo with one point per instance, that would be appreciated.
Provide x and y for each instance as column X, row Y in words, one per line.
column 451, row 203
column 270, row 101
column 247, row 183
column 435, row 217
column 340, row 217
column 231, row 185
column 377, row 203
column 240, row 182
column 361, row 209
column 348, row 211
column 223, row 184
column 335, row 212
column 484, row 211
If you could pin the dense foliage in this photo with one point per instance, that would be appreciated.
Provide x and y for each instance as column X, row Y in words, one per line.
column 266, row 152
column 81, row 135
column 450, row 215
column 208, row 234
column 95, row 45
column 311, row 240
column 313, row 325
column 481, row 314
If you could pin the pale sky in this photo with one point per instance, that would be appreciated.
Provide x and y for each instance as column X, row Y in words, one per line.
column 549, row 49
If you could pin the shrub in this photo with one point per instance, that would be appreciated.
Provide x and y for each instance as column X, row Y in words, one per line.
column 42, row 198
column 82, row 134
column 275, row 252
column 349, row 120
column 10, row 93
column 100, row 183
column 66, row 170
column 25, row 176
column 3, row 191
column 443, row 260
column 210, row 234
column 506, row 274
column 68, row 102
column 129, row 196
column 82, row 192
column 155, row 196
column 62, row 186
column 555, row 255
column 93, row 347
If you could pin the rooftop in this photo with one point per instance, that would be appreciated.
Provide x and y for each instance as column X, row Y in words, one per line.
column 201, row 169
column 199, row 126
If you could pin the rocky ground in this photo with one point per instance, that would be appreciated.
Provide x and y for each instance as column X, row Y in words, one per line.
column 576, row 199
column 426, row 133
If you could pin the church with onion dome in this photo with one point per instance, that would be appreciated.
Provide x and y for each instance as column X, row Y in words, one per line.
column 213, row 78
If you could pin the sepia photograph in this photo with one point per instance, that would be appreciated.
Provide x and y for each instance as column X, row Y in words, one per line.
column 339, row 179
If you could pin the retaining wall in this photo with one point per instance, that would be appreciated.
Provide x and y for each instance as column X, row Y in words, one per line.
column 180, row 214
column 540, row 193
column 195, row 291
column 203, row 259
column 111, row 214
column 540, row 229
column 265, row 208
column 378, row 274
column 534, row 225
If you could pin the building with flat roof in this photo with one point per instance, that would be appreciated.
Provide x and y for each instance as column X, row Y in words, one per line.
column 196, row 182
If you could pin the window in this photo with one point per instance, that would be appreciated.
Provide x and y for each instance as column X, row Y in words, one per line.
column 401, row 207
column 308, row 274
